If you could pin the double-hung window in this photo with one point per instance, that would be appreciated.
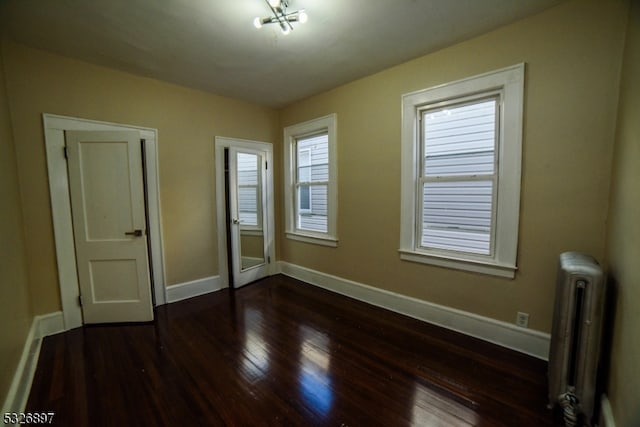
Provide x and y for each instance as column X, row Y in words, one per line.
column 310, row 181
column 461, row 159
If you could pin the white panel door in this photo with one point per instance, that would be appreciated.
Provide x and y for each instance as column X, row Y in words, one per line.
column 107, row 201
column 248, row 209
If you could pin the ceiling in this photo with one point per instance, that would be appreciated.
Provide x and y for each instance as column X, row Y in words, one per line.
column 212, row 44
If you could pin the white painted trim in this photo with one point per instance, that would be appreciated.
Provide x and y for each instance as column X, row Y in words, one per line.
column 507, row 271
column 291, row 133
column 524, row 340
column 509, row 82
column 41, row 326
column 182, row 291
column 606, row 413
column 18, row 393
column 54, row 127
column 267, row 148
column 324, row 241
column 50, row 324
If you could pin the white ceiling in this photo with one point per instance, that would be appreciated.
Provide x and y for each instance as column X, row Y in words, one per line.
column 212, row 44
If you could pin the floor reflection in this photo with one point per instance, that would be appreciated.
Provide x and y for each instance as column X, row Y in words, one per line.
column 255, row 362
column 280, row 352
column 314, row 379
column 434, row 409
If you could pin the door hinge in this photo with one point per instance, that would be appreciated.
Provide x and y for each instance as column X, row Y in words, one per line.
column 266, row 165
column 80, row 300
column 66, row 152
column 268, row 260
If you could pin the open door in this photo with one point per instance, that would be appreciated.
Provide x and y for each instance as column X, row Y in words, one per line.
column 247, row 204
column 107, row 201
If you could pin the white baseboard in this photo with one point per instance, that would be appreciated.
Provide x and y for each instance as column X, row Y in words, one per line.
column 528, row 341
column 41, row 326
column 606, row 414
column 192, row 289
column 53, row 323
column 50, row 324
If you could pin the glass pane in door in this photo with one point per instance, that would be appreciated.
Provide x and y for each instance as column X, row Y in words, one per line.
column 250, row 210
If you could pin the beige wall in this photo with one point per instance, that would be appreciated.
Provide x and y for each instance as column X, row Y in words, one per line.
column 623, row 243
column 15, row 311
column 573, row 55
column 187, row 121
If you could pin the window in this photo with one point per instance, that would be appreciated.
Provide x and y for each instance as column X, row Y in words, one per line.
column 304, row 177
column 458, row 176
column 461, row 158
column 310, row 184
column 249, row 192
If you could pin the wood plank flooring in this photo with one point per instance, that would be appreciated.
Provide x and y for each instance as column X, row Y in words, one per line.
column 281, row 352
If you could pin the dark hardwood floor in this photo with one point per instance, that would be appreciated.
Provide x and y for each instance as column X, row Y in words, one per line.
column 281, row 352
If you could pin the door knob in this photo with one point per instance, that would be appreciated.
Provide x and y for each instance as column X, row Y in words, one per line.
column 136, row 233
column 236, row 221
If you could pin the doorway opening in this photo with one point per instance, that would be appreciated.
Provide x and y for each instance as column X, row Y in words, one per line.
column 55, row 127
column 244, row 196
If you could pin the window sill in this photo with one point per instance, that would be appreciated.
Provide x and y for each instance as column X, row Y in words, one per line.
column 308, row 238
column 493, row 269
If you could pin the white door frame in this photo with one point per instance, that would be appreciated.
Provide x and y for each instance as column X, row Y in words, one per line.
column 220, row 144
column 54, row 127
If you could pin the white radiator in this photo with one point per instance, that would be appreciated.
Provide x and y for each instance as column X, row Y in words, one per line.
column 575, row 338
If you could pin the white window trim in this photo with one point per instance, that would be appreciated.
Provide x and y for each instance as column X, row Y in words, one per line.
column 510, row 81
column 291, row 134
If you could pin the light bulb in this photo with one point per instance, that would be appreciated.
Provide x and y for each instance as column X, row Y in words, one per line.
column 303, row 17
column 285, row 29
column 257, row 22
column 274, row 3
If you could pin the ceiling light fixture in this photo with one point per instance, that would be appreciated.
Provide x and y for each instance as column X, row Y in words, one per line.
column 281, row 16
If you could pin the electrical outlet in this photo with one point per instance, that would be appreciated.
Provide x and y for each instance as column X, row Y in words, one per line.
column 522, row 319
